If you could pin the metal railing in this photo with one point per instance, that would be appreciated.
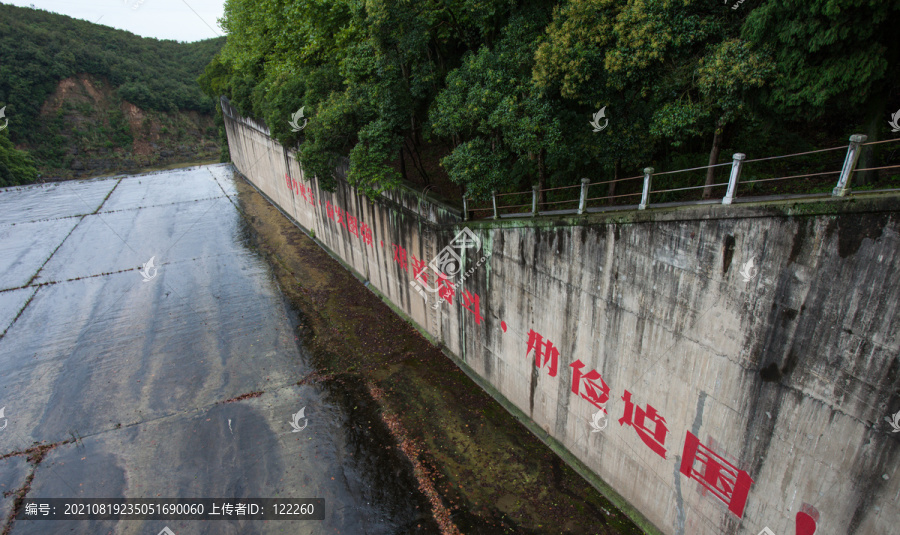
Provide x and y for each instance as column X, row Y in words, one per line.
column 738, row 163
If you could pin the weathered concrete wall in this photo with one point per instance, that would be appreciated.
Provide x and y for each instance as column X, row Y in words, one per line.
column 787, row 376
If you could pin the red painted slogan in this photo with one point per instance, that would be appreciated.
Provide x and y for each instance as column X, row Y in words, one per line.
column 699, row 462
column 722, row 479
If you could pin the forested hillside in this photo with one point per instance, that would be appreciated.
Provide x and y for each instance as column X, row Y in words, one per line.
column 84, row 99
column 499, row 94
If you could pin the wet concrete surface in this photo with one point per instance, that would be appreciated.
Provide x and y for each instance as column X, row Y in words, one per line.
column 115, row 386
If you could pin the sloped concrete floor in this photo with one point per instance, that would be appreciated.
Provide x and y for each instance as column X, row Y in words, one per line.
column 116, row 386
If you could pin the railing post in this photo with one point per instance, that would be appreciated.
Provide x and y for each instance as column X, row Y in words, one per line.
column 494, row 199
column 736, row 164
column 583, row 200
column 534, row 198
column 645, row 196
column 853, row 150
column 465, row 209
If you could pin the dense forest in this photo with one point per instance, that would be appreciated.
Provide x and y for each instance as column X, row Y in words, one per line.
column 72, row 90
column 499, row 94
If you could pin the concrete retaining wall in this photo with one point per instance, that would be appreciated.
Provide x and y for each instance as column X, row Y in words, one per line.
column 746, row 356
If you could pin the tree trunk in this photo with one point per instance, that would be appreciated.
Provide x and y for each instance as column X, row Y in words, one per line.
column 416, row 159
column 403, row 165
column 616, row 174
column 875, row 114
column 714, row 159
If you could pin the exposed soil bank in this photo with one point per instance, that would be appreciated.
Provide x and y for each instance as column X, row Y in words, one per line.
column 482, row 471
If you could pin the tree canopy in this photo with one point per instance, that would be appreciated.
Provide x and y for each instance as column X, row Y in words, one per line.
column 501, row 92
column 16, row 166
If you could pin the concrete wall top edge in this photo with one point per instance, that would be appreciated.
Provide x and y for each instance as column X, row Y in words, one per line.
column 883, row 202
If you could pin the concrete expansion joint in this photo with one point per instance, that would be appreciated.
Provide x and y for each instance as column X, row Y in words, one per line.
column 79, row 216
column 156, row 205
column 40, row 448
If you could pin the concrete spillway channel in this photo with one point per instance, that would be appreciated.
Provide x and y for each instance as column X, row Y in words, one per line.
column 185, row 377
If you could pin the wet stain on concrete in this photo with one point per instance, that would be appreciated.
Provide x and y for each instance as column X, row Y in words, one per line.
column 727, row 253
column 679, row 499
column 853, row 230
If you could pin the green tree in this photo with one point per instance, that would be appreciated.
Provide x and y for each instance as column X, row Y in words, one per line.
column 832, row 57
column 724, row 79
column 506, row 133
column 16, row 166
column 509, row 86
column 571, row 61
column 366, row 74
column 675, row 66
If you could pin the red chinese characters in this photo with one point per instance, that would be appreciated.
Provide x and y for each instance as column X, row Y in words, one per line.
column 470, row 302
column 638, row 418
column 419, row 269
column 300, row 189
column 352, row 225
column 366, row 234
column 718, row 476
column 400, row 255
column 807, row 520
column 347, row 220
column 445, row 288
column 335, row 213
column 543, row 349
column 586, row 385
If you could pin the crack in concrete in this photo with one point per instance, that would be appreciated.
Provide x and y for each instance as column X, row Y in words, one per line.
column 35, row 456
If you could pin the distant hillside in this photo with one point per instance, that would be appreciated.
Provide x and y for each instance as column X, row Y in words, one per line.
column 84, row 99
